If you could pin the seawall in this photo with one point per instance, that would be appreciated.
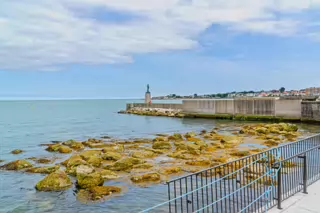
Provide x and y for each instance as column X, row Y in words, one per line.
column 245, row 109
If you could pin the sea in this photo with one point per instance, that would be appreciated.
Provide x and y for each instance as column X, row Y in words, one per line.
column 28, row 124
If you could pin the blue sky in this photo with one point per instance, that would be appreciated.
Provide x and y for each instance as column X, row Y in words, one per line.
column 112, row 49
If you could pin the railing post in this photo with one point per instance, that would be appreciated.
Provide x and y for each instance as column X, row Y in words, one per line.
column 305, row 174
column 279, row 188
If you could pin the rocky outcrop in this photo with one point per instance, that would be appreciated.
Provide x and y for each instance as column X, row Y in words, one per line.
column 87, row 181
column 57, row 181
column 17, row 165
column 17, row 151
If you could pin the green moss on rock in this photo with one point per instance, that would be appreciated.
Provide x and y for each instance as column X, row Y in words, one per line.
column 57, row 181
column 17, row 165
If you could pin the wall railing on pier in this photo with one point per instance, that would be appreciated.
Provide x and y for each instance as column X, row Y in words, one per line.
column 251, row 184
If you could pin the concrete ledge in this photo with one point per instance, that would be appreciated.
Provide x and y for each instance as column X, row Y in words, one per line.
column 302, row 203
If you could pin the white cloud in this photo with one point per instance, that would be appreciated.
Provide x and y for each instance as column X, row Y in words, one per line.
column 43, row 35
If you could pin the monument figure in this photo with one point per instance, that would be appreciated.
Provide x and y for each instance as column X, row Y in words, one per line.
column 148, row 95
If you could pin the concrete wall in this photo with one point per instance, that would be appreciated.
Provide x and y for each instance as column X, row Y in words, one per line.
column 161, row 106
column 288, row 108
column 224, row 107
column 279, row 108
column 310, row 110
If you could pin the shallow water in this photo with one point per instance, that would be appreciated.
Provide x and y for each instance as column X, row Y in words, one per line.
column 27, row 124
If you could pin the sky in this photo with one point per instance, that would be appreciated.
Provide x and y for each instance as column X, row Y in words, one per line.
column 114, row 48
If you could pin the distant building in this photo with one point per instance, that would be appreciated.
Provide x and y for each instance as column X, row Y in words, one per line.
column 313, row 91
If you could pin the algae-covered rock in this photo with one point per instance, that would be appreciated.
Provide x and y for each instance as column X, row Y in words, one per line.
column 74, row 160
column 181, row 155
column 170, row 170
column 190, row 135
column 262, row 130
column 193, row 149
column 74, row 145
column 117, row 148
column 108, row 175
column 240, row 153
column 57, row 181
column 44, row 161
column 192, row 139
column 143, row 166
column 126, row 164
column 160, row 139
column 161, row 145
column 53, row 147
column 17, row 165
column 271, row 143
column 87, row 154
column 144, row 154
column 87, row 181
column 199, row 163
column 65, row 150
column 17, row 151
column 97, row 193
column 175, row 137
column 95, row 161
column 84, row 170
column 114, row 156
column 43, row 170
column 1, row 161
column 150, row 177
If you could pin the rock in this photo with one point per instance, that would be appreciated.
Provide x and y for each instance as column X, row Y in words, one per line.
column 65, row 150
column 97, row 193
column 74, row 145
column 1, row 161
column 160, row 139
column 108, row 175
column 84, row 170
column 192, row 139
column 44, row 170
column 203, row 132
column 240, row 153
column 193, row 149
column 87, row 181
column 143, row 166
column 118, row 148
column 162, row 135
column 43, row 161
column 271, row 143
column 94, row 161
column 175, row 137
column 126, row 164
column 74, row 160
column 53, row 147
column 203, row 145
column 111, row 156
column 87, row 154
column 199, row 163
column 262, row 130
column 181, row 155
column 157, row 151
column 57, row 181
column 161, row 145
column 144, row 154
column 105, row 137
column 170, row 170
column 150, row 177
column 17, row 165
column 190, row 135
column 17, row 151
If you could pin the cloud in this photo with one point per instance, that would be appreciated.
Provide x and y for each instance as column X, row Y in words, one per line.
column 44, row 35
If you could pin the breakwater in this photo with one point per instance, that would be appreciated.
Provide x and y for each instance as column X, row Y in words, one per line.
column 240, row 109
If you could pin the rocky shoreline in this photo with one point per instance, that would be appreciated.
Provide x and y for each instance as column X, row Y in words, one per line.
column 144, row 162
column 153, row 112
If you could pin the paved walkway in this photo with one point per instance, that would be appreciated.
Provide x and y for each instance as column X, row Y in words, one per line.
column 302, row 203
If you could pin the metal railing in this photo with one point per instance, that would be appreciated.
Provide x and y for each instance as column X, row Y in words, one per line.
column 251, row 184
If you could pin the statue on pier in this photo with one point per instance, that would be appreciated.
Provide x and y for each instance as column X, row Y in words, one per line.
column 148, row 87
column 148, row 95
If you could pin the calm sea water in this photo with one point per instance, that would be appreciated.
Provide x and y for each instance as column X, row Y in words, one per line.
column 27, row 124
